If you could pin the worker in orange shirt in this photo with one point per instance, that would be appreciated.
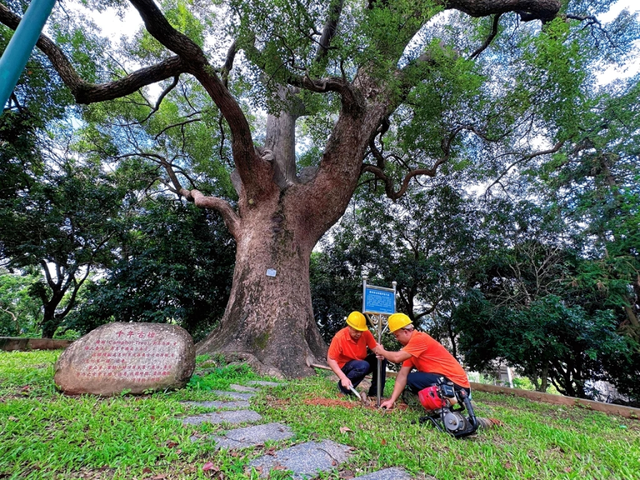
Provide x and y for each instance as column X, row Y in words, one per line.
column 349, row 359
column 433, row 363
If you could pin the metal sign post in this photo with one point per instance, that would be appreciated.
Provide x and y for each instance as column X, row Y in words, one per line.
column 377, row 304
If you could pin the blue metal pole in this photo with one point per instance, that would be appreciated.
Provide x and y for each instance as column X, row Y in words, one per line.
column 15, row 57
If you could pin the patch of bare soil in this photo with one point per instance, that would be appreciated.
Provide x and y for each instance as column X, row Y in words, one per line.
column 489, row 422
column 278, row 403
column 331, row 402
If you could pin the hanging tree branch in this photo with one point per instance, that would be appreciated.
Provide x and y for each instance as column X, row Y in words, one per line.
column 229, row 216
column 431, row 172
column 525, row 159
column 492, row 35
column 164, row 93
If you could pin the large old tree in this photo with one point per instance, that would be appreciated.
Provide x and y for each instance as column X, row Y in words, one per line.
column 414, row 72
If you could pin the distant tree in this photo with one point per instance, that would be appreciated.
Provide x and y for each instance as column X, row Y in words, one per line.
column 20, row 313
column 19, row 156
column 160, row 277
column 549, row 341
column 28, row 191
column 595, row 188
column 64, row 223
column 623, row 370
column 524, row 305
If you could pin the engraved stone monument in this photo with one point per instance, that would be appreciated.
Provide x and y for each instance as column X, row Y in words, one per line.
column 133, row 357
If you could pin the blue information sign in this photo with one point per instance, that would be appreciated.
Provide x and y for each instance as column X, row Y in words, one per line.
column 379, row 300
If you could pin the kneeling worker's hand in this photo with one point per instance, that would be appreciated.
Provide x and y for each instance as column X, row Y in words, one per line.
column 387, row 404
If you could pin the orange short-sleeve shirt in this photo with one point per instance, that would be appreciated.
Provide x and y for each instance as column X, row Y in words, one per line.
column 429, row 356
column 343, row 348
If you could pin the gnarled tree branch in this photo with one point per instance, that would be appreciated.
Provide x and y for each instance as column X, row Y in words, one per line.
column 251, row 168
column 85, row 92
column 229, row 216
column 528, row 10
column 378, row 170
column 164, row 93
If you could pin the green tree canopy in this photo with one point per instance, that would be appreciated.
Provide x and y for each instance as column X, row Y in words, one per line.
column 392, row 91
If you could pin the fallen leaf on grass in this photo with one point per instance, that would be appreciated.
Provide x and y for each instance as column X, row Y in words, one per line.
column 210, row 466
column 271, row 451
column 172, row 444
column 345, row 430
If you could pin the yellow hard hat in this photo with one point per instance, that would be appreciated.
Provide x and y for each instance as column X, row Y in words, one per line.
column 398, row 320
column 356, row 320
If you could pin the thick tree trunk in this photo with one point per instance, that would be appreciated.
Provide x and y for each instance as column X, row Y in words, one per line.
column 269, row 318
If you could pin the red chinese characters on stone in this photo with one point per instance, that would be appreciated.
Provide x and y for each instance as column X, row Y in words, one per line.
column 136, row 357
column 115, row 358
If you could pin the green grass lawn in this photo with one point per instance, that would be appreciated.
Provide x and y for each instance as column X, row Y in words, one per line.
column 47, row 435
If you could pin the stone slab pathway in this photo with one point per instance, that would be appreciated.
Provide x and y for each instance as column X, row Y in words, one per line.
column 265, row 384
column 242, row 388
column 234, row 395
column 305, row 460
column 252, row 436
column 219, row 404
column 225, row 416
